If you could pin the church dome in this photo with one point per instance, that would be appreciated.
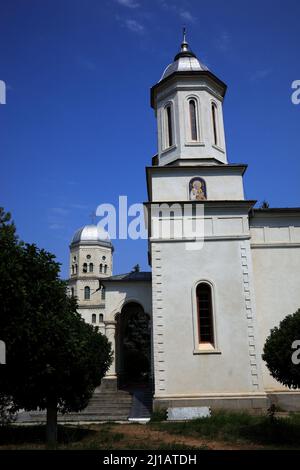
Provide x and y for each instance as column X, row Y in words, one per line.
column 91, row 234
column 184, row 61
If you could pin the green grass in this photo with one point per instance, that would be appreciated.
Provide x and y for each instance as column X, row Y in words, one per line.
column 234, row 427
column 239, row 427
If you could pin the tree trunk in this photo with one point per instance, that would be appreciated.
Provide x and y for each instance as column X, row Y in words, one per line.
column 51, row 428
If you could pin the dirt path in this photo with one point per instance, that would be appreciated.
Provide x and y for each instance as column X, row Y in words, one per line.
column 141, row 433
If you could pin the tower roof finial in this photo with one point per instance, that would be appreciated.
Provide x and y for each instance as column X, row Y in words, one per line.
column 184, row 47
column 184, row 44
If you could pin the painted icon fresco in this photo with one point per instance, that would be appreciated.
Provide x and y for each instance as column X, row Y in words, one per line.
column 197, row 189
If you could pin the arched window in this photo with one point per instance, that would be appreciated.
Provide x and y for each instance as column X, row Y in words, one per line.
column 94, row 318
column 214, row 113
column 101, row 268
column 105, row 269
column 91, row 267
column 84, row 268
column 101, row 317
column 72, row 292
column 103, row 293
column 168, row 126
column 205, row 313
column 87, row 293
column 73, row 269
column 193, row 119
column 197, row 189
column 76, row 268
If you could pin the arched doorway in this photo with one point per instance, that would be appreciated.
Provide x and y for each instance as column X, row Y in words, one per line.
column 133, row 346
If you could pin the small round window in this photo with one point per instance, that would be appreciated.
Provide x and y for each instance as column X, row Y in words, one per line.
column 88, row 256
column 104, row 258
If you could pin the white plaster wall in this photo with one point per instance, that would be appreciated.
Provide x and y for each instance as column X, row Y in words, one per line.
column 176, row 270
column 276, row 264
column 86, row 314
column 119, row 293
column 204, row 91
column 169, row 185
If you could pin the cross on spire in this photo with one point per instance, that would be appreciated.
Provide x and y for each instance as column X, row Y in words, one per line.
column 184, row 45
column 93, row 217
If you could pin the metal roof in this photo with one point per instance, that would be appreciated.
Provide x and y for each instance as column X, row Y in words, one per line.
column 134, row 276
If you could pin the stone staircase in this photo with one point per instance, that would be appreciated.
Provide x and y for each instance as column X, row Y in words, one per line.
column 105, row 405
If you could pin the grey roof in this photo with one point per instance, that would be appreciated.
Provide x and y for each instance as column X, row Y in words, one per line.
column 183, row 64
column 130, row 277
column 91, row 234
column 270, row 210
column 184, row 61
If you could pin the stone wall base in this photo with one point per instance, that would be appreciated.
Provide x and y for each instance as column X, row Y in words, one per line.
column 255, row 403
column 285, row 401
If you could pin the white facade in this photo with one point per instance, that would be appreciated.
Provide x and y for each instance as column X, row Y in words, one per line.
column 212, row 304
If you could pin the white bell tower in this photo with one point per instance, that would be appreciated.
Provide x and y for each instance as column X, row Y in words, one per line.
column 188, row 105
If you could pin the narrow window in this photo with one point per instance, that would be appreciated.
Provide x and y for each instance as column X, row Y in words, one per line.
column 193, row 119
column 72, row 292
column 87, row 293
column 91, row 267
column 103, row 293
column 105, row 269
column 101, row 268
column 101, row 317
column 73, row 269
column 76, row 268
column 169, row 130
column 205, row 313
column 93, row 318
column 84, row 268
column 214, row 120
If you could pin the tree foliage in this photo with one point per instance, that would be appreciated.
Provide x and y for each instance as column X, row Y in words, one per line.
column 53, row 356
column 278, row 351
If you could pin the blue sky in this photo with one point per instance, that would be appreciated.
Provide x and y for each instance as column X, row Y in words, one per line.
column 78, row 130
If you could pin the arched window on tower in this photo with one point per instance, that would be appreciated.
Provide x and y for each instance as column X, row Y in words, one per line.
column 168, row 126
column 94, row 318
column 193, row 119
column 73, row 269
column 205, row 313
column 87, row 293
column 72, row 292
column 101, row 317
column 84, row 268
column 76, row 268
column 214, row 113
column 105, row 269
column 101, row 268
column 103, row 293
column 91, row 267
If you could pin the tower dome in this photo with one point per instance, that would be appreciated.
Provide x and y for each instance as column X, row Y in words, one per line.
column 91, row 234
column 184, row 61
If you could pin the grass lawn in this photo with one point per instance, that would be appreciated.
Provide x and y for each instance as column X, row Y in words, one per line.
column 224, row 430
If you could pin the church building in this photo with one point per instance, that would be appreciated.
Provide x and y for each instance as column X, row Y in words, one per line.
column 204, row 311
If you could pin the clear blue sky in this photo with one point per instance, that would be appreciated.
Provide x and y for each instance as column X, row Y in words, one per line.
column 78, row 130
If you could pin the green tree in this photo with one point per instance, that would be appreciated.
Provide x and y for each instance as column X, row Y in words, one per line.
column 54, row 360
column 279, row 349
